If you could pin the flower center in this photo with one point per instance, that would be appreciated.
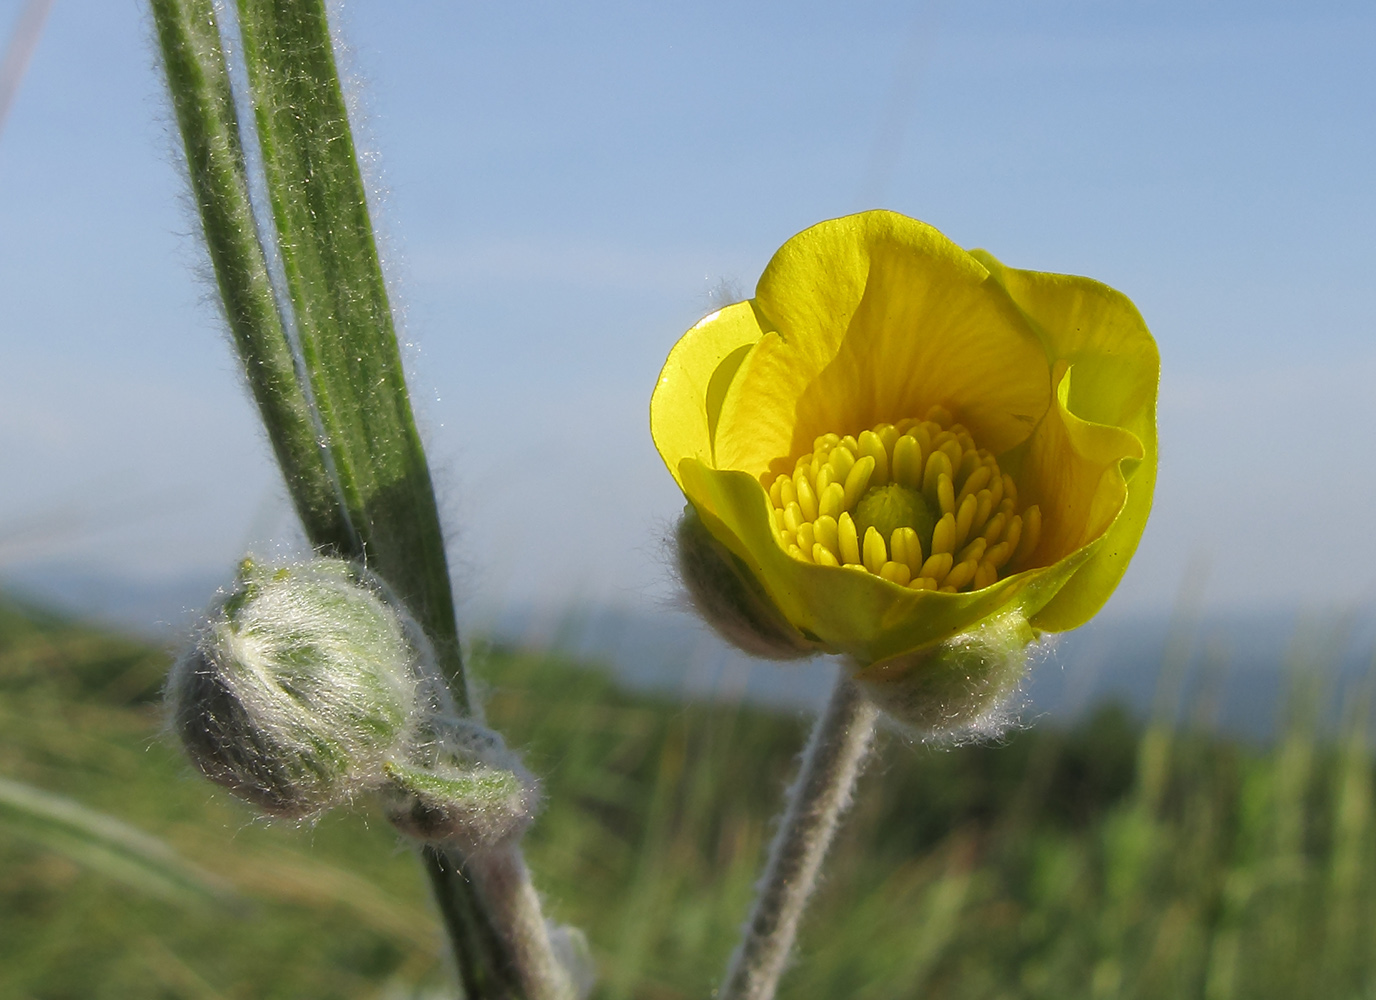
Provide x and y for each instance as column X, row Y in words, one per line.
column 916, row 503
column 893, row 506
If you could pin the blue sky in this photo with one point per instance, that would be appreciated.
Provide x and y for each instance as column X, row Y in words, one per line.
column 562, row 189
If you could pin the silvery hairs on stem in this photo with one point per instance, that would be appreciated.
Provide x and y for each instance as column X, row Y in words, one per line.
column 308, row 684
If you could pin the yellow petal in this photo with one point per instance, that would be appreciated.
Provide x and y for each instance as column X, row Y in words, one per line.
column 871, row 318
column 1116, row 371
column 687, row 400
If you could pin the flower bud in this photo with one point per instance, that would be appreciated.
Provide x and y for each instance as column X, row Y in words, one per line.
column 729, row 597
column 955, row 687
column 464, row 788
column 302, row 686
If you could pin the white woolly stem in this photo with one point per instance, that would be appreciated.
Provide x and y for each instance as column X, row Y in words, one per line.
column 819, row 796
column 503, row 881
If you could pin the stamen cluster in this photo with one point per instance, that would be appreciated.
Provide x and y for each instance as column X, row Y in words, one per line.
column 916, row 503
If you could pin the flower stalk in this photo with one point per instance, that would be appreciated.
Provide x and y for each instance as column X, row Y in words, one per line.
column 819, row 796
column 320, row 353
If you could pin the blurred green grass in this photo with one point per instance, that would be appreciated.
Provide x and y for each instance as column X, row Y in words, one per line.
column 1106, row 860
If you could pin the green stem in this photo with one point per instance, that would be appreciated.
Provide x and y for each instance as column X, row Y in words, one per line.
column 471, row 936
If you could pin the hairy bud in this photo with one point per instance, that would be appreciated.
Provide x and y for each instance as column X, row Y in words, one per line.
column 303, row 685
column 729, row 597
column 956, row 687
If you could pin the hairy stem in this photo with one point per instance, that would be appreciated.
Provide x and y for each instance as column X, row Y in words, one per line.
column 835, row 754
column 503, row 882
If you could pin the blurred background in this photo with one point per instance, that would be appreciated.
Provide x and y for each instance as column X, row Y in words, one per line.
column 562, row 190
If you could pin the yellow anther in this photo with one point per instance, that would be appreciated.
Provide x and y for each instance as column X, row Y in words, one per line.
column 953, row 451
column 875, row 554
column 1013, row 533
column 961, row 574
column 907, row 462
column 965, row 518
column 807, row 499
column 1031, row 534
column 858, row 481
column 793, row 516
column 896, row 572
column 969, row 462
column 833, row 500
column 826, row 475
column 985, row 575
column 786, row 492
column 986, row 505
column 993, row 531
column 944, row 534
column 997, row 555
column 906, row 547
column 938, row 462
column 848, row 541
column 978, row 532
column 975, row 551
column 945, row 494
column 842, row 458
column 824, row 530
column 976, row 481
column 995, row 492
column 872, row 447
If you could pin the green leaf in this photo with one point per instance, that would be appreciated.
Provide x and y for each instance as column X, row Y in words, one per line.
column 481, row 784
column 198, row 81
column 343, row 317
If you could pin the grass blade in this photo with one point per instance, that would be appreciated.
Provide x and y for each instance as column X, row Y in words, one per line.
column 105, row 844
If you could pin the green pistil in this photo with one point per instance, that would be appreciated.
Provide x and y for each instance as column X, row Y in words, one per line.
column 894, row 506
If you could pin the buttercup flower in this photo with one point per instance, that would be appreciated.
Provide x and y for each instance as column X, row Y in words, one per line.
column 898, row 445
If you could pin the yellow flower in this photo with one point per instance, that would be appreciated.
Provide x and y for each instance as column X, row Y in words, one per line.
column 900, row 442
